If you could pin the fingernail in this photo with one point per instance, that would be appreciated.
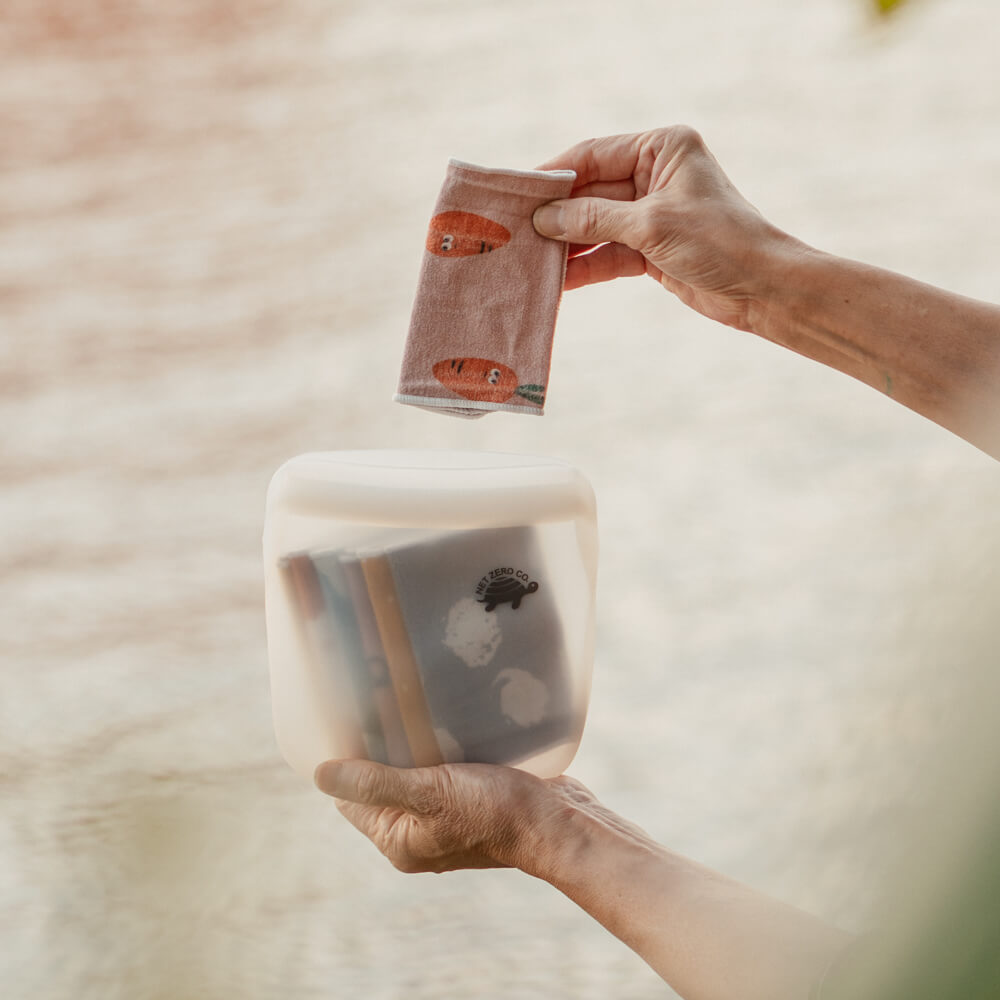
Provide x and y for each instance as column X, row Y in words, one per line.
column 326, row 776
column 548, row 221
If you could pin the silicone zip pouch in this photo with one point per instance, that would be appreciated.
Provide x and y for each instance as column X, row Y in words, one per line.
column 425, row 607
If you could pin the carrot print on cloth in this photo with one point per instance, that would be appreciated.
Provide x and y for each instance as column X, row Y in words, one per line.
column 485, row 381
column 464, row 234
column 489, row 288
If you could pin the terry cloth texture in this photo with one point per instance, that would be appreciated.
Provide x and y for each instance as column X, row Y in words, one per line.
column 485, row 311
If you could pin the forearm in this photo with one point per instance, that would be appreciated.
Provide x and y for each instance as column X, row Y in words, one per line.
column 709, row 937
column 933, row 351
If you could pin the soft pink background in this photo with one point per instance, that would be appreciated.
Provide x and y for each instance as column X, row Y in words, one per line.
column 211, row 221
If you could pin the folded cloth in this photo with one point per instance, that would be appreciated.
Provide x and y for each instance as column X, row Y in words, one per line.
column 481, row 332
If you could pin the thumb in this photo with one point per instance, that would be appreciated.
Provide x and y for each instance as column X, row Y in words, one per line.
column 585, row 220
column 368, row 783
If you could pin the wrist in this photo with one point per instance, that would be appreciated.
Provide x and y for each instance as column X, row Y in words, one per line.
column 554, row 837
column 571, row 838
column 783, row 266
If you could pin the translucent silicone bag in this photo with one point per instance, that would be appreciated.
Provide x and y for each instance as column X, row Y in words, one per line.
column 430, row 606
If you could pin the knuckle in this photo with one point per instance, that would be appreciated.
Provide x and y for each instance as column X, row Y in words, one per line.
column 685, row 137
column 569, row 784
column 370, row 785
column 573, row 790
column 591, row 217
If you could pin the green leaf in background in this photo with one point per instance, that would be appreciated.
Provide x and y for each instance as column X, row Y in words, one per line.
column 887, row 6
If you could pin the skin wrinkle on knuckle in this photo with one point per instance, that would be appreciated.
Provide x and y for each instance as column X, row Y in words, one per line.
column 687, row 139
column 370, row 785
column 591, row 216
column 571, row 784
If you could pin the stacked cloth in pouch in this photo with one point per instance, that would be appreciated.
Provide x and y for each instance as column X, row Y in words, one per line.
column 484, row 316
column 446, row 648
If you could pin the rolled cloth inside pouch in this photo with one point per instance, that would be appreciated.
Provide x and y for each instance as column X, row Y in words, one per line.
column 484, row 316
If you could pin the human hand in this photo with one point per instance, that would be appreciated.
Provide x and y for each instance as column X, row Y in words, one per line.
column 698, row 929
column 436, row 819
column 661, row 205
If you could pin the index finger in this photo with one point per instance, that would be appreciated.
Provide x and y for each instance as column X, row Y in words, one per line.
column 611, row 158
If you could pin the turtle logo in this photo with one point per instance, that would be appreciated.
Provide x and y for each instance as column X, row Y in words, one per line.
column 504, row 585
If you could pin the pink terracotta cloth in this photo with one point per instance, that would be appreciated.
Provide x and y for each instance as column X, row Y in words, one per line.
column 485, row 311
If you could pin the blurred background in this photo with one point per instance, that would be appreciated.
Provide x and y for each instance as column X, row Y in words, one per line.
column 212, row 215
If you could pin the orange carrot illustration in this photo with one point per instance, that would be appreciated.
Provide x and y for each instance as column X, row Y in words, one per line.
column 485, row 381
column 464, row 234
